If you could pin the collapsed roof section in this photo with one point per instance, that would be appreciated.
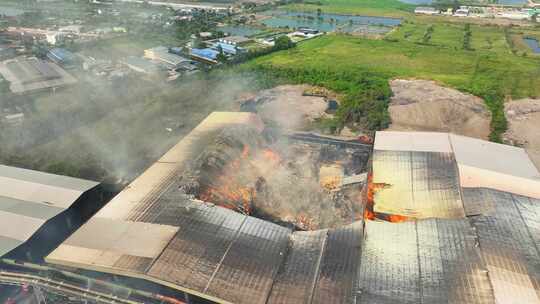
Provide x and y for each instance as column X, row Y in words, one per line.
column 29, row 199
column 153, row 231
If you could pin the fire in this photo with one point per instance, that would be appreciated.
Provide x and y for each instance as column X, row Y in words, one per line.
column 227, row 191
column 245, row 151
column 396, row 218
column 303, row 222
column 369, row 212
column 271, row 155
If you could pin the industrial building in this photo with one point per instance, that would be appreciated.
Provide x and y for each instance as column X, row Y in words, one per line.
column 426, row 10
column 206, row 55
column 27, row 75
column 161, row 54
column 463, row 236
column 141, row 65
column 235, row 40
column 39, row 210
column 472, row 199
column 61, row 56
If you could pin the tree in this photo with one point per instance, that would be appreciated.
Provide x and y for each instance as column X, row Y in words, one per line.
column 283, row 43
column 221, row 56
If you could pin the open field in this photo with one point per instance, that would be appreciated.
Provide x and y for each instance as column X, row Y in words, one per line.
column 450, row 36
column 489, row 70
column 390, row 8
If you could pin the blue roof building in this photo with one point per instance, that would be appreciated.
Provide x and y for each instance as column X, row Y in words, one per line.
column 61, row 56
column 208, row 55
column 229, row 48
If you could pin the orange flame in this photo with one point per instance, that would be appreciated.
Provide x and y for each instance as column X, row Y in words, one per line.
column 227, row 192
column 369, row 212
column 396, row 218
column 304, row 222
column 271, row 155
column 245, row 151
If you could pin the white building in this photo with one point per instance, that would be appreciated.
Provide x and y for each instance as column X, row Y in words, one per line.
column 515, row 15
column 426, row 10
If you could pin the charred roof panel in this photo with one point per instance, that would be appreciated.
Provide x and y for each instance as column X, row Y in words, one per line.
column 451, row 268
column 196, row 251
column 426, row 261
column 508, row 237
column 246, row 272
column 389, row 270
column 300, row 269
column 338, row 266
column 417, row 184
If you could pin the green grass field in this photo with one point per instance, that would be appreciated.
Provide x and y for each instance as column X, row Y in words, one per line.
column 516, row 76
column 490, row 70
column 393, row 8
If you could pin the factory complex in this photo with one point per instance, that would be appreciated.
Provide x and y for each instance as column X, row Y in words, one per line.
column 440, row 218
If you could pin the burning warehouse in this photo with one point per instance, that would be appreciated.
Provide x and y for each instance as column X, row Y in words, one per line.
column 235, row 214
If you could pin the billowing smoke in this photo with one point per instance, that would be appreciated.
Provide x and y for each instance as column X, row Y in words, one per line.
column 112, row 131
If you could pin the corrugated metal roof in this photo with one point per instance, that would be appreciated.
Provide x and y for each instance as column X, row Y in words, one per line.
column 29, row 198
column 417, row 184
column 481, row 164
column 412, row 141
column 508, row 229
column 425, row 261
column 205, row 250
column 228, row 257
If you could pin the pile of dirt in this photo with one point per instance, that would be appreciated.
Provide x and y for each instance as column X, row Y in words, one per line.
column 524, row 126
column 286, row 106
column 421, row 105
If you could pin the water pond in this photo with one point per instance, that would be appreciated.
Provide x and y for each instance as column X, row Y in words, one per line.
column 533, row 44
column 239, row 30
column 330, row 22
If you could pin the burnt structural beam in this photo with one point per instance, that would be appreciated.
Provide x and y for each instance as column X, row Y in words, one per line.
column 314, row 138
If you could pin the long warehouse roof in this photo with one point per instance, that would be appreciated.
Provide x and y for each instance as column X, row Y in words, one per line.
column 480, row 245
column 209, row 251
column 28, row 199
